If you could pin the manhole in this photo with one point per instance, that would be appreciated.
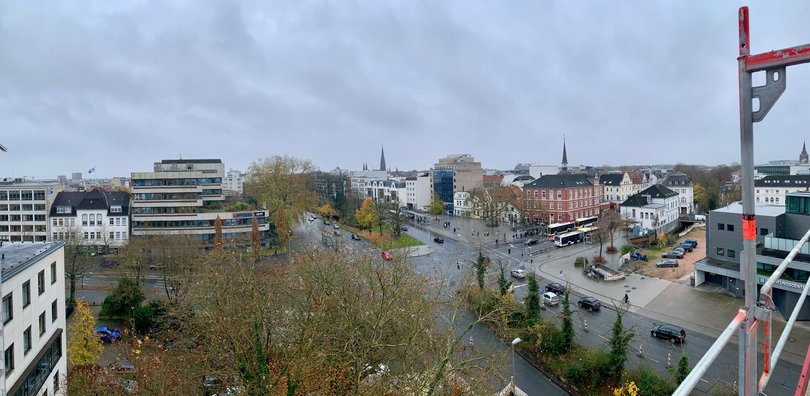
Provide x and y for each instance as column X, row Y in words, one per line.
column 628, row 291
column 791, row 339
column 633, row 288
column 626, row 286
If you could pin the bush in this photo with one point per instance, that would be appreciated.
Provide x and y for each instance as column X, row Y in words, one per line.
column 547, row 337
column 483, row 301
column 649, row 383
column 123, row 299
column 589, row 369
column 147, row 319
column 580, row 262
column 599, row 260
column 627, row 249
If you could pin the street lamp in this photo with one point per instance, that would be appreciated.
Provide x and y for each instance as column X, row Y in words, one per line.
column 514, row 342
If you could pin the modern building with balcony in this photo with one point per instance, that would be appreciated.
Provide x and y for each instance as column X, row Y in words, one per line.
column 33, row 312
column 778, row 231
column 185, row 197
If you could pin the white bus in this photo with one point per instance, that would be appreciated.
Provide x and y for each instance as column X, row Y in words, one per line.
column 569, row 238
column 558, row 228
column 586, row 221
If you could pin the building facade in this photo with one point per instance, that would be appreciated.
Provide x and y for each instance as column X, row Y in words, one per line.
column 33, row 313
column 779, row 230
column 99, row 218
column 771, row 190
column 234, row 181
column 561, row 198
column 185, row 197
column 418, row 191
column 654, row 209
column 467, row 173
column 441, row 179
column 462, row 205
column 24, row 209
column 681, row 184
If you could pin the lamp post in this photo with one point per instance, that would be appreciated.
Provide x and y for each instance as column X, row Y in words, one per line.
column 514, row 342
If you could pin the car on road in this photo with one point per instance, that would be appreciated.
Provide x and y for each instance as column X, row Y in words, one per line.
column 549, row 298
column 356, row 237
column 589, row 303
column 667, row 263
column 692, row 242
column 686, row 247
column 518, row 273
column 669, row 332
column 531, row 242
column 438, row 240
column 637, row 255
column 336, row 226
column 106, row 334
column 337, row 233
column 672, row 254
column 326, row 223
column 555, row 288
column 386, row 255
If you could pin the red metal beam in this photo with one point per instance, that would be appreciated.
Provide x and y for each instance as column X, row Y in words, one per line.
column 801, row 387
column 783, row 57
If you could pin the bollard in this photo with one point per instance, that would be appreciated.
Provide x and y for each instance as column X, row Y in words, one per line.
column 669, row 359
column 640, row 350
column 585, row 325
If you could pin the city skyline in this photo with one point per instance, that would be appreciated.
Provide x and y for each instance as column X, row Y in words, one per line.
column 120, row 86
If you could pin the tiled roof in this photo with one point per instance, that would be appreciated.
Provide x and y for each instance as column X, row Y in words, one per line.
column 611, row 179
column 784, row 181
column 656, row 191
column 97, row 199
column 677, row 179
column 560, row 181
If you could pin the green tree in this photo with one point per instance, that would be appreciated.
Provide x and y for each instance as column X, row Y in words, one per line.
column 480, row 270
column 503, row 281
column 84, row 346
column 127, row 296
column 533, row 299
column 366, row 216
column 567, row 324
column 436, row 207
column 619, row 340
column 682, row 370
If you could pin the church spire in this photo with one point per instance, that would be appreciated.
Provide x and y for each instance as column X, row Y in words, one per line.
column 564, row 164
column 803, row 157
column 382, row 159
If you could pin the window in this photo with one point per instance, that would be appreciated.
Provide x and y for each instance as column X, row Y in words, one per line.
column 54, row 311
column 115, row 209
column 8, row 308
column 9, row 355
column 41, row 324
column 26, row 292
column 53, row 272
column 721, row 252
column 112, row 235
column 731, row 253
column 729, row 227
column 721, row 226
column 41, row 282
column 124, row 221
column 112, row 221
column 27, row 340
column 763, row 231
column 84, row 219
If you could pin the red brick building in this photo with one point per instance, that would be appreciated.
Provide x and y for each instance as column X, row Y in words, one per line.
column 561, row 198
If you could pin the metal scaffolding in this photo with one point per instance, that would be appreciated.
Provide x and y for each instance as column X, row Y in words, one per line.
column 758, row 307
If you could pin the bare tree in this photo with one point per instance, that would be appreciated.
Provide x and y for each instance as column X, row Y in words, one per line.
column 77, row 261
column 177, row 256
column 137, row 256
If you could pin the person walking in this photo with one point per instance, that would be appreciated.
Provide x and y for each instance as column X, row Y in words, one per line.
column 626, row 299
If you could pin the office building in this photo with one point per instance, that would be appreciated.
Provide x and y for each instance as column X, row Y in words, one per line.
column 24, row 209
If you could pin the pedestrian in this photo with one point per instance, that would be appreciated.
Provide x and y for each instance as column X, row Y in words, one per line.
column 510, row 250
column 626, row 299
column 458, row 264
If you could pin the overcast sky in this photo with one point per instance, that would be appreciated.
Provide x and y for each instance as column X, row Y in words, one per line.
column 121, row 84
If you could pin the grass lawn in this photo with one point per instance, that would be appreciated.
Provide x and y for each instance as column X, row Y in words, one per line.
column 387, row 239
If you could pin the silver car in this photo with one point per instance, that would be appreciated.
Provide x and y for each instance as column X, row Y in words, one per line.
column 518, row 273
column 667, row 263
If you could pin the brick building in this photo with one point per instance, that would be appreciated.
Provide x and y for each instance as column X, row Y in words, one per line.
column 562, row 197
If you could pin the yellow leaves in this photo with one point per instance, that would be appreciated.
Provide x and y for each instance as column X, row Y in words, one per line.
column 628, row 389
column 84, row 346
column 366, row 216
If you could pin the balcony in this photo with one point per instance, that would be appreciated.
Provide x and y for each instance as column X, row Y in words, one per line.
column 781, row 247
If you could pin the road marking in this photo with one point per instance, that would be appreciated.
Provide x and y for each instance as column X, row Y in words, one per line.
column 705, row 381
column 603, row 337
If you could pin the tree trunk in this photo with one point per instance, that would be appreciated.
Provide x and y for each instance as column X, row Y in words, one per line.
column 72, row 278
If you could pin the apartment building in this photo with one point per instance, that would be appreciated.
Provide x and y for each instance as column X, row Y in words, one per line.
column 771, row 190
column 33, row 313
column 681, row 184
column 234, row 181
column 24, row 209
column 561, row 198
column 98, row 217
column 185, row 197
column 655, row 209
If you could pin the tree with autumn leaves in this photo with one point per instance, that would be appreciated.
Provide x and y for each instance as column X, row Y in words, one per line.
column 367, row 216
column 84, row 346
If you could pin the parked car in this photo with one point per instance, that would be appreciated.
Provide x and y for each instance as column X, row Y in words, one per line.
column 531, row 242
column 669, row 332
column 672, row 254
column 692, row 242
column 386, row 255
column 549, row 298
column 667, row 263
column 637, row 255
column 106, row 334
column 356, row 237
column 403, row 228
column 589, row 303
column 335, row 226
column 679, row 250
column 438, row 240
column 686, row 247
column 555, row 288
column 518, row 273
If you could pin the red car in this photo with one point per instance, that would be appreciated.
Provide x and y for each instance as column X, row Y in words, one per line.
column 386, row 255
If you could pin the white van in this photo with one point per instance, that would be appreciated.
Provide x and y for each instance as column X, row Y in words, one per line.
column 550, row 299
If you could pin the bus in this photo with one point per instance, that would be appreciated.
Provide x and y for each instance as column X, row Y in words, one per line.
column 586, row 221
column 569, row 238
column 557, row 228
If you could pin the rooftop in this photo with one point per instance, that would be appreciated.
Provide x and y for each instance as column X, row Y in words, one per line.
column 17, row 256
column 736, row 207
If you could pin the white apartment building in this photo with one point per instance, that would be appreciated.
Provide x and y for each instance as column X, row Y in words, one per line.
column 24, row 209
column 771, row 190
column 98, row 217
column 234, row 181
column 681, row 184
column 655, row 208
column 185, row 197
column 417, row 192
column 462, row 204
column 33, row 313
